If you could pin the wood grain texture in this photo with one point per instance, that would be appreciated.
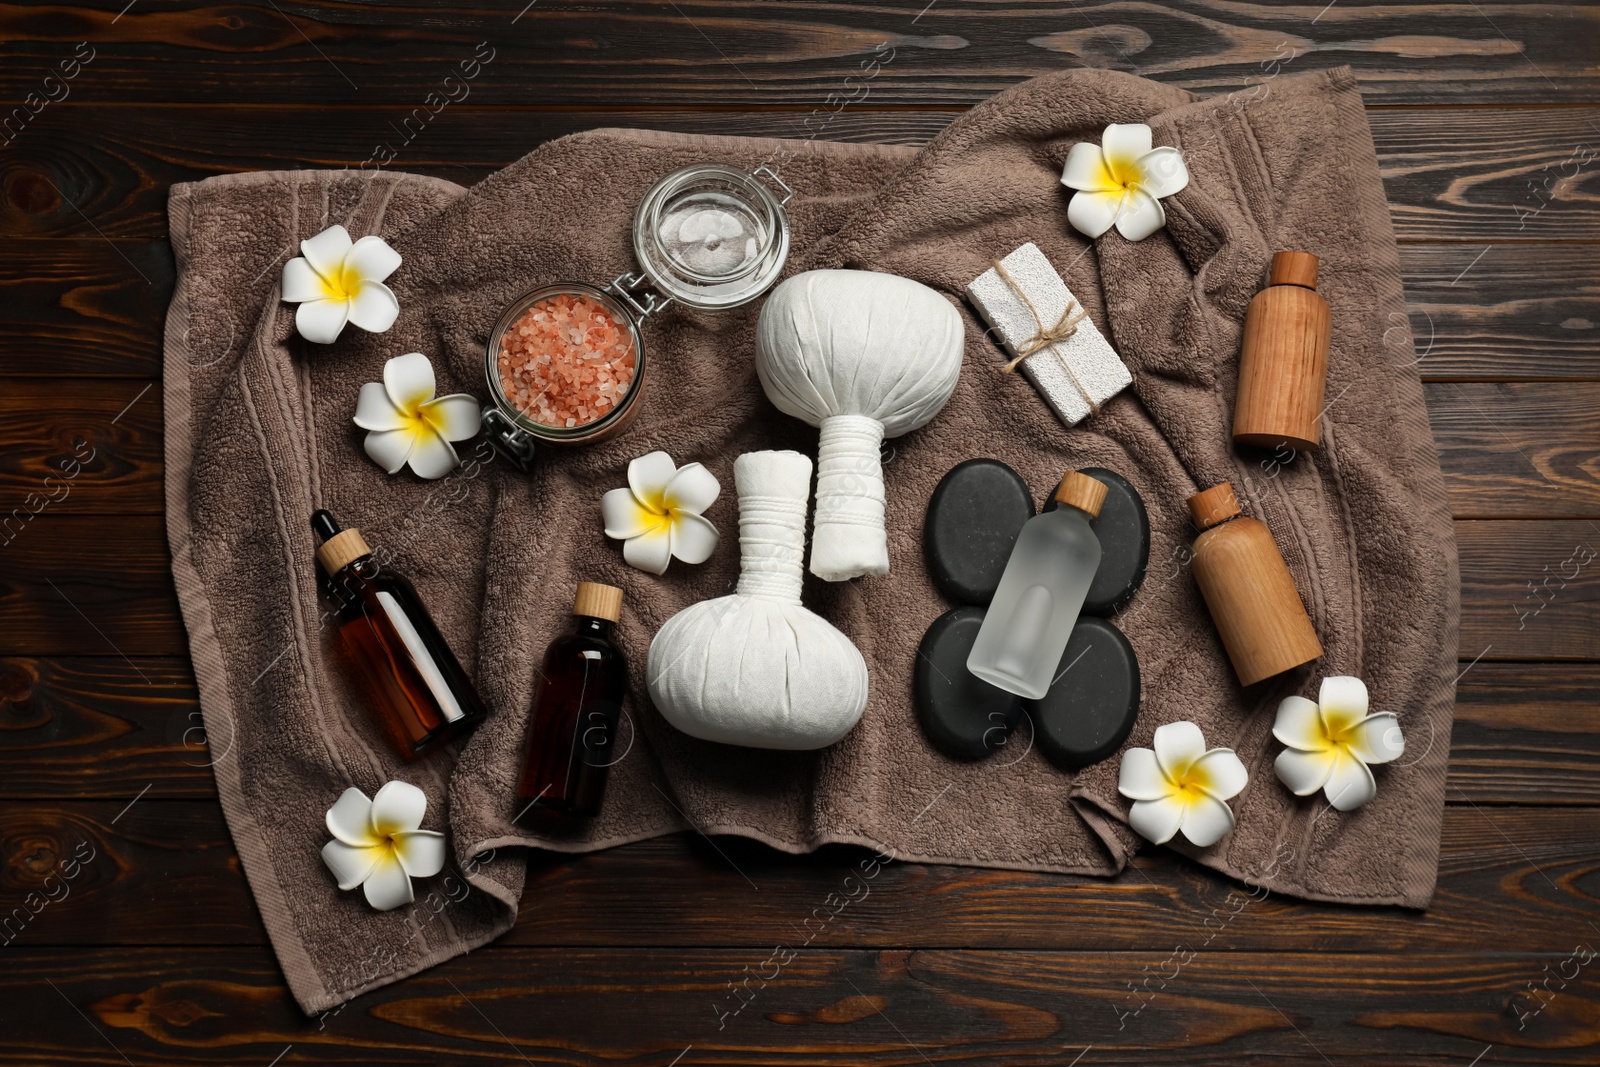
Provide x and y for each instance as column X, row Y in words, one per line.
column 163, row 872
column 1499, row 456
column 1529, row 589
column 840, row 1008
column 98, row 727
column 77, row 308
column 1451, row 174
column 717, row 54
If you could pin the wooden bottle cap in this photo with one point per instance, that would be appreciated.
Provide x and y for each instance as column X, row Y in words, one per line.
column 598, row 601
column 1294, row 268
column 1083, row 492
column 1217, row 504
column 342, row 549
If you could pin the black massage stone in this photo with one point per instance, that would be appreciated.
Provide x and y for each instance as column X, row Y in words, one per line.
column 974, row 517
column 1090, row 708
column 1124, row 532
column 964, row 716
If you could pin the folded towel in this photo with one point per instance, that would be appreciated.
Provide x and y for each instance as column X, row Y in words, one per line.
column 259, row 434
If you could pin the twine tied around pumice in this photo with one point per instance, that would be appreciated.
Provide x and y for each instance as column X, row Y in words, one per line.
column 1048, row 336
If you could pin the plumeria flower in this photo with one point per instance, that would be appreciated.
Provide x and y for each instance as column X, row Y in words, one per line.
column 658, row 516
column 409, row 424
column 1333, row 742
column 1181, row 785
column 1121, row 180
column 335, row 281
column 376, row 844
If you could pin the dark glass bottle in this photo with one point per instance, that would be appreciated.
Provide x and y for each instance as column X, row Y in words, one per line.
column 415, row 688
column 576, row 705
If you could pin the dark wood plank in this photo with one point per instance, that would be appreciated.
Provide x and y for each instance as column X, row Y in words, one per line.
column 77, row 308
column 822, row 1006
column 1498, row 444
column 1451, row 174
column 1528, row 590
column 92, row 727
column 164, row 872
column 720, row 54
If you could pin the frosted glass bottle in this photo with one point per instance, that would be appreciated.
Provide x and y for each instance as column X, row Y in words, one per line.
column 1025, row 631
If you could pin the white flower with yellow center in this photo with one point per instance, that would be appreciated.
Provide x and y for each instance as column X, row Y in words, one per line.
column 1121, row 181
column 658, row 516
column 377, row 844
column 335, row 281
column 1333, row 742
column 1180, row 785
column 409, row 424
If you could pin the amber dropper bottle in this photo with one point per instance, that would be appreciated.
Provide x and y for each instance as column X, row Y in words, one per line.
column 415, row 688
column 577, row 702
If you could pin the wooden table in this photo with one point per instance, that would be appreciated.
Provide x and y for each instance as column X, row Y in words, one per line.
column 1486, row 124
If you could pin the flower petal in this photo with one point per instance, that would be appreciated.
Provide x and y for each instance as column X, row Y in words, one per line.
column 433, row 457
column 625, row 517
column 1123, row 145
column 388, row 886
column 1140, row 776
column 301, row 282
column 649, row 476
column 692, row 489
column 1343, row 701
column 374, row 307
column 371, row 259
column 1299, row 725
column 1304, row 772
column 319, row 321
column 456, row 417
column 1177, row 745
column 650, row 551
column 1377, row 738
column 420, row 852
column 1162, row 172
column 398, row 808
column 1092, row 214
column 693, row 538
column 390, row 449
column 1141, row 216
column 1157, row 820
column 1086, row 170
column 375, row 411
column 1350, row 785
column 326, row 251
column 1207, row 821
column 350, row 819
column 1220, row 773
column 351, row 864
column 409, row 379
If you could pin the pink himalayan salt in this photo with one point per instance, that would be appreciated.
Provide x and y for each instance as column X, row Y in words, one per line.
column 566, row 361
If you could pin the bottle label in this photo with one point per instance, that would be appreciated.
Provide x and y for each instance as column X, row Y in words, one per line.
column 421, row 660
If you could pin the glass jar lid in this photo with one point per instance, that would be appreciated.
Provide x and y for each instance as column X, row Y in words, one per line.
column 712, row 236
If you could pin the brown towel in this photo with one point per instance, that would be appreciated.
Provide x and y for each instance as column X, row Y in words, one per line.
column 259, row 434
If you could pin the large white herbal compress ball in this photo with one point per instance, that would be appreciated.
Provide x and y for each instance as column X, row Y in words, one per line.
column 863, row 356
column 757, row 668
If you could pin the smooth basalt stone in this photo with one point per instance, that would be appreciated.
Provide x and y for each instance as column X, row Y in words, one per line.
column 964, row 716
column 974, row 516
column 1090, row 707
column 1123, row 528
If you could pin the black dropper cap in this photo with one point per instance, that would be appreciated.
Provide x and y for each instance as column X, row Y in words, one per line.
column 323, row 524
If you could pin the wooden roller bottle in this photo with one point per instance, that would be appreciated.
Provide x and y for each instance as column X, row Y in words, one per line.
column 1283, row 360
column 1248, row 589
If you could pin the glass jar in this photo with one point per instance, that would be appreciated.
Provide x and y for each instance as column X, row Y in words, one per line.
column 710, row 237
